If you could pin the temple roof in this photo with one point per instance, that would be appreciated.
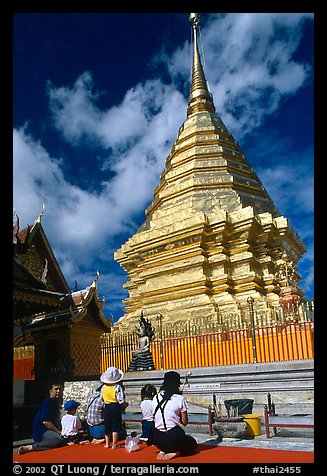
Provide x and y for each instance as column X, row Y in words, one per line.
column 23, row 276
column 74, row 307
column 40, row 291
column 33, row 249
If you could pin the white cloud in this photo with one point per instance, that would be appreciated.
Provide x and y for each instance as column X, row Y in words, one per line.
column 74, row 109
column 37, row 177
column 76, row 116
column 131, row 119
column 248, row 64
column 290, row 186
column 139, row 132
column 79, row 221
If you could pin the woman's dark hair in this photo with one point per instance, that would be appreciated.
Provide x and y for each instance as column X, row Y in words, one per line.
column 170, row 384
column 148, row 391
column 169, row 389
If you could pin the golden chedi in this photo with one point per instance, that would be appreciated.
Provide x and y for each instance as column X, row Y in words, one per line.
column 212, row 235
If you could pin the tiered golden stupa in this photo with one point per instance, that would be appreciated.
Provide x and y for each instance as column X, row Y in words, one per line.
column 212, row 235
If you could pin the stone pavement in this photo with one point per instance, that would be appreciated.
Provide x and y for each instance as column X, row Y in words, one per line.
column 285, row 440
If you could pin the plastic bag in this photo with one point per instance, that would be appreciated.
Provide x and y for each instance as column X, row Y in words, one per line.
column 131, row 443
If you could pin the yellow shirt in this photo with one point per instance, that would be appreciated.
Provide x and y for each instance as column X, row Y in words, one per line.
column 109, row 394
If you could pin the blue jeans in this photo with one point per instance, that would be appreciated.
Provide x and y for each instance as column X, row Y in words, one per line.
column 50, row 439
column 147, row 430
column 113, row 421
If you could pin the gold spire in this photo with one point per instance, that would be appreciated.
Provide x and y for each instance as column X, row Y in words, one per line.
column 200, row 98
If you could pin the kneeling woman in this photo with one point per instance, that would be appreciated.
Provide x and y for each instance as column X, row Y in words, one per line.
column 170, row 409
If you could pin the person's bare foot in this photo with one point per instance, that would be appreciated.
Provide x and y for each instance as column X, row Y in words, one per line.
column 25, row 449
column 171, row 455
column 161, row 454
column 84, row 442
column 106, row 446
column 97, row 442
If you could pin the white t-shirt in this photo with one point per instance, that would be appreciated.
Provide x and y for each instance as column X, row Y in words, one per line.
column 146, row 407
column 70, row 425
column 172, row 411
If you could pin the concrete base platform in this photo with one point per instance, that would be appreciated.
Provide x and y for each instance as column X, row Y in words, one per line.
column 290, row 383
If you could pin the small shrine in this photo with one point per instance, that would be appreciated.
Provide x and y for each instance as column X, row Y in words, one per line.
column 142, row 358
column 290, row 295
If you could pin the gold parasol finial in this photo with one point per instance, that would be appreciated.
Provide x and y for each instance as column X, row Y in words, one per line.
column 194, row 19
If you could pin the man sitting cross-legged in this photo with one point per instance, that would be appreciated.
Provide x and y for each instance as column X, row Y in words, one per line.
column 46, row 425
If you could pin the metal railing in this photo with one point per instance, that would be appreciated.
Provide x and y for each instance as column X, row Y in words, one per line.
column 243, row 337
column 293, row 341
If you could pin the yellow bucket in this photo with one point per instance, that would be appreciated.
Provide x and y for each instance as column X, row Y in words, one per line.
column 253, row 421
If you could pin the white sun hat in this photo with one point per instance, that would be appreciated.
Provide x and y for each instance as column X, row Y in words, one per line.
column 112, row 375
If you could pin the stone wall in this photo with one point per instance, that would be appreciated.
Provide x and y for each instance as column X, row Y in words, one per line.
column 290, row 383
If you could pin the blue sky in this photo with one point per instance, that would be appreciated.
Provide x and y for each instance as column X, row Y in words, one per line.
column 98, row 99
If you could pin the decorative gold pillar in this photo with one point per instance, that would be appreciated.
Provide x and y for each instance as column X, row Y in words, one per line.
column 290, row 295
